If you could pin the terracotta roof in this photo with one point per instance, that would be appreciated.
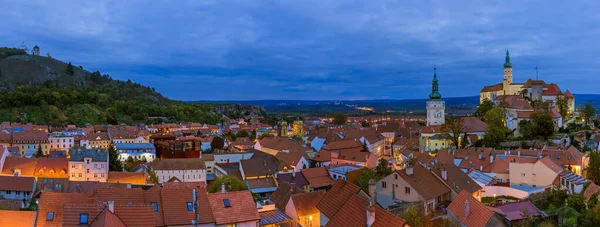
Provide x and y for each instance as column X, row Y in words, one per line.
column 479, row 214
column 241, row 204
column 318, row 177
column 121, row 196
column 10, row 183
column 551, row 164
column 512, row 211
column 342, row 144
column 182, row 185
column 107, row 218
column 30, row 137
column 456, row 179
column 368, row 133
column 292, row 158
column 180, row 164
column 424, row 182
column 354, row 213
column 54, row 202
column 335, row 198
column 97, row 136
column 256, row 183
column 514, row 102
column 174, row 203
column 284, row 143
column 126, row 177
column 473, row 124
column 325, row 156
column 299, row 180
column 554, row 113
column 590, row 190
column 552, row 89
column 11, row 204
column 16, row 218
column 306, row 203
column 136, row 215
column 281, row 196
column 260, row 164
column 496, row 87
column 524, row 114
column 568, row 94
column 432, row 129
column 25, row 165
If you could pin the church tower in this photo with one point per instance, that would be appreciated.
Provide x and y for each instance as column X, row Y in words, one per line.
column 436, row 107
column 508, row 77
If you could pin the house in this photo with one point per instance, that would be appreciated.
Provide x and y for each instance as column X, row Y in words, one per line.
column 29, row 141
column 469, row 212
column 513, row 212
column 433, row 138
column 571, row 182
column 270, row 216
column 183, row 147
column 138, row 151
column 88, row 165
column 281, row 196
column 184, row 169
column 302, row 208
column 128, row 134
column 36, row 167
column 318, row 178
column 540, row 174
column 260, row 173
column 296, row 160
column 413, row 184
column 243, row 143
column 589, row 191
column 339, row 171
column 345, row 204
column 59, row 141
column 99, row 140
column 17, row 188
column 456, row 180
column 240, row 203
column 374, row 141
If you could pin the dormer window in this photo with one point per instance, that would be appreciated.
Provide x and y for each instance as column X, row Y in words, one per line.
column 83, row 218
column 50, row 216
column 190, row 207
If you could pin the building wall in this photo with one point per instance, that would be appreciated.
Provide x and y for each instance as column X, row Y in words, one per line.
column 395, row 186
column 227, row 158
column 61, row 142
column 531, row 174
column 194, row 175
column 16, row 195
column 32, row 147
column 88, row 171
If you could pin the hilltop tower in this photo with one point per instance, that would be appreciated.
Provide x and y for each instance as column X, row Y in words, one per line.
column 36, row 51
column 436, row 107
column 282, row 128
column 508, row 76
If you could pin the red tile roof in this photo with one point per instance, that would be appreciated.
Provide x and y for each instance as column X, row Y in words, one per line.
column 174, row 203
column 241, row 204
column 496, row 87
column 552, row 89
column 317, row 177
column 354, row 213
column 335, row 198
column 55, row 202
column 590, row 190
column 126, row 177
column 514, row 102
column 306, row 203
column 479, row 214
column 512, row 211
column 473, row 124
column 281, row 196
column 568, row 94
column 14, row 218
column 284, row 143
column 107, row 218
column 10, row 183
column 424, row 182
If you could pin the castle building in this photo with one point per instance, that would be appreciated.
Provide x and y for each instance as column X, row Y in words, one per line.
column 298, row 128
column 36, row 51
column 436, row 107
column 282, row 128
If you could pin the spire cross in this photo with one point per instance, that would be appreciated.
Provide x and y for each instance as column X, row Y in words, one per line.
column 434, row 70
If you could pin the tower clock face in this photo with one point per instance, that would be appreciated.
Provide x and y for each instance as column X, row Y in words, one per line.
column 437, row 114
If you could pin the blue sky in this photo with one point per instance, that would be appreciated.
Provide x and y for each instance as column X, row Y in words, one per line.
column 314, row 49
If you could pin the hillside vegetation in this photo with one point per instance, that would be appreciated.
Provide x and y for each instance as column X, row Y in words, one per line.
column 43, row 90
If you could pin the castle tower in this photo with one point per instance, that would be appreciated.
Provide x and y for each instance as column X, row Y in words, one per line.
column 282, row 128
column 298, row 128
column 508, row 76
column 436, row 107
column 24, row 47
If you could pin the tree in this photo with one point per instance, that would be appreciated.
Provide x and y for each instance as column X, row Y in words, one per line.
column 114, row 164
column 365, row 175
column 231, row 184
column 483, row 108
column 593, row 170
column 564, row 213
column 152, row 175
column 558, row 198
column 526, row 221
column 495, row 117
column 494, row 136
column 339, row 119
column 589, row 111
column 593, row 201
column 364, row 124
column 39, row 153
column 243, row 133
column 217, row 143
column 415, row 216
column 563, row 107
column 382, row 169
column 525, row 129
column 454, row 128
column 69, row 69
column 543, row 126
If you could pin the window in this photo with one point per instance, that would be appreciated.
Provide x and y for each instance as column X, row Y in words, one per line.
column 18, row 192
column 190, row 207
column 383, row 184
column 523, row 174
column 83, row 218
column 407, row 190
column 226, row 203
column 50, row 216
column 396, row 176
column 8, row 192
column 155, row 206
column 95, row 175
column 95, row 166
column 102, row 166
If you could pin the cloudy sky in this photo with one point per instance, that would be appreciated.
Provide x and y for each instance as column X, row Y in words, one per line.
column 314, row 49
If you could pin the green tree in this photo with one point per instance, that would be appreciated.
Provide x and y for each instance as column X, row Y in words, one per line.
column 593, row 169
column 114, row 164
column 217, row 143
column 525, row 129
column 453, row 128
column 231, row 184
column 558, row 198
column 543, row 126
column 365, row 175
column 39, row 153
column 495, row 117
column 243, row 133
column 563, row 107
column 415, row 217
column 589, row 111
column 364, row 124
column 69, row 69
column 483, row 108
column 526, row 221
column 593, row 200
column 382, row 169
column 152, row 175
column 339, row 119
column 564, row 213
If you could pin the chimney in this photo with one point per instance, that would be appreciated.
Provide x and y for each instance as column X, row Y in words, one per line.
column 370, row 215
column 373, row 190
column 480, row 156
column 111, row 206
column 223, row 188
column 491, row 158
column 480, row 168
column 293, row 174
column 467, row 209
column 409, row 170
column 444, row 174
column 519, row 153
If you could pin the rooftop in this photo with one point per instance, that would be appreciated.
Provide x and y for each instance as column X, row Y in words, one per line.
column 97, row 155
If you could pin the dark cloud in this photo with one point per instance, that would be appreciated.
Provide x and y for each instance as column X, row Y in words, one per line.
column 314, row 49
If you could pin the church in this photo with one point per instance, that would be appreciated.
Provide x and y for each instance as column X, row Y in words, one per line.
column 432, row 137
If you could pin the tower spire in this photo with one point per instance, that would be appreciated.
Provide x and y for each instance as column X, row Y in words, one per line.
column 507, row 64
column 435, row 94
